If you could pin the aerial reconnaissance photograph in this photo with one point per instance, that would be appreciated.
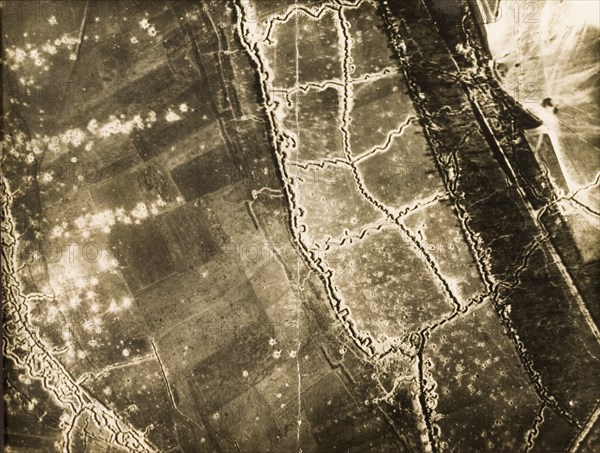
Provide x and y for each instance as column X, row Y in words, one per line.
column 277, row 226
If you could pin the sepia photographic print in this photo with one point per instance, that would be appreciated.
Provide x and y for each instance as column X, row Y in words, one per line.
column 300, row 226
